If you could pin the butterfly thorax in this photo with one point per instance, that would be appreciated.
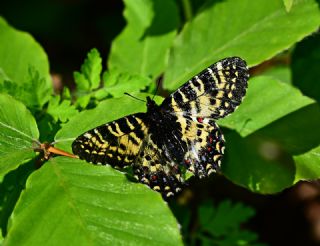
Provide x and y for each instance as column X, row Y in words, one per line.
column 164, row 131
column 153, row 111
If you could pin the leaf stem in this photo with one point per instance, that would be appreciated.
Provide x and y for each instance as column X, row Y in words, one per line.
column 187, row 9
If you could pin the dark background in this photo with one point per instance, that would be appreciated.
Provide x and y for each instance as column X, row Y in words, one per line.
column 68, row 29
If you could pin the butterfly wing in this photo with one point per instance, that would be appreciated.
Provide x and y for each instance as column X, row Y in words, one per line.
column 116, row 143
column 208, row 96
column 160, row 165
column 213, row 93
column 205, row 146
column 155, row 168
column 187, row 138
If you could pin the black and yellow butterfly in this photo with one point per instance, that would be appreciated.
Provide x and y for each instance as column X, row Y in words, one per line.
column 178, row 135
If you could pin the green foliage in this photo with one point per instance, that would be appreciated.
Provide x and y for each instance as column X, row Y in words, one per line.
column 116, row 83
column 307, row 165
column 75, row 203
column 18, row 131
column 223, row 219
column 221, row 225
column 305, row 64
column 10, row 190
column 24, row 67
column 61, row 110
column 143, row 46
column 89, row 77
column 273, row 141
column 26, row 93
column 253, row 30
column 261, row 106
column 288, row 4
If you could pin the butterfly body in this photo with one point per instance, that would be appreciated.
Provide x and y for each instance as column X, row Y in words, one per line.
column 178, row 135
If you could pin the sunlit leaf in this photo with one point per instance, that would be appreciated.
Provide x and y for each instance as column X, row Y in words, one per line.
column 267, row 100
column 253, row 30
column 25, row 65
column 70, row 202
column 61, row 109
column 18, row 131
column 307, row 165
column 143, row 46
column 89, row 76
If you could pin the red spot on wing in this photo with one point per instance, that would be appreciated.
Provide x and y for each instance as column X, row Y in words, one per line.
column 210, row 140
column 199, row 119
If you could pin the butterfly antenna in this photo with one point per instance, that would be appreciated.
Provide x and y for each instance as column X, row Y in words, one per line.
column 134, row 97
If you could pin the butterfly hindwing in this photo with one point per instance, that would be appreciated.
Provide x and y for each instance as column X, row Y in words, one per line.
column 213, row 93
column 205, row 144
column 157, row 169
column 116, row 143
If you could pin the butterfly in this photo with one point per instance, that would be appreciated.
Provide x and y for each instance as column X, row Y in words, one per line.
column 177, row 136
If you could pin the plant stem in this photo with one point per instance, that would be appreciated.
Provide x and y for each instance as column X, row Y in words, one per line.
column 187, row 9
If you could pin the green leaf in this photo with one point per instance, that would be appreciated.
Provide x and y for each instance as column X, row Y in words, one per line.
column 281, row 73
column 81, row 81
column 297, row 132
column 18, row 131
column 253, row 30
column 106, row 111
column 27, row 93
column 25, row 66
column 267, row 100
column 83, row 100
column 10, row 189
column 288, row 4
column 240, row 238
column 305, row 66
column 61, row 110
column 307, row 165
column 225, row 218
column 116, row 83
column 257, row 163
column 66, row 94
column 143, row 46
column 75, row 203
column 89, row 77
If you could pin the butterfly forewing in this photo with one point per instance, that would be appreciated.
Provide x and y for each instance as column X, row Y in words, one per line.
column 116, row 143
column 213, row 93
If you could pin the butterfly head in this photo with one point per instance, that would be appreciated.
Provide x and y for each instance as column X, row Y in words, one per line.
column 154, row 110
column 151, row 104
